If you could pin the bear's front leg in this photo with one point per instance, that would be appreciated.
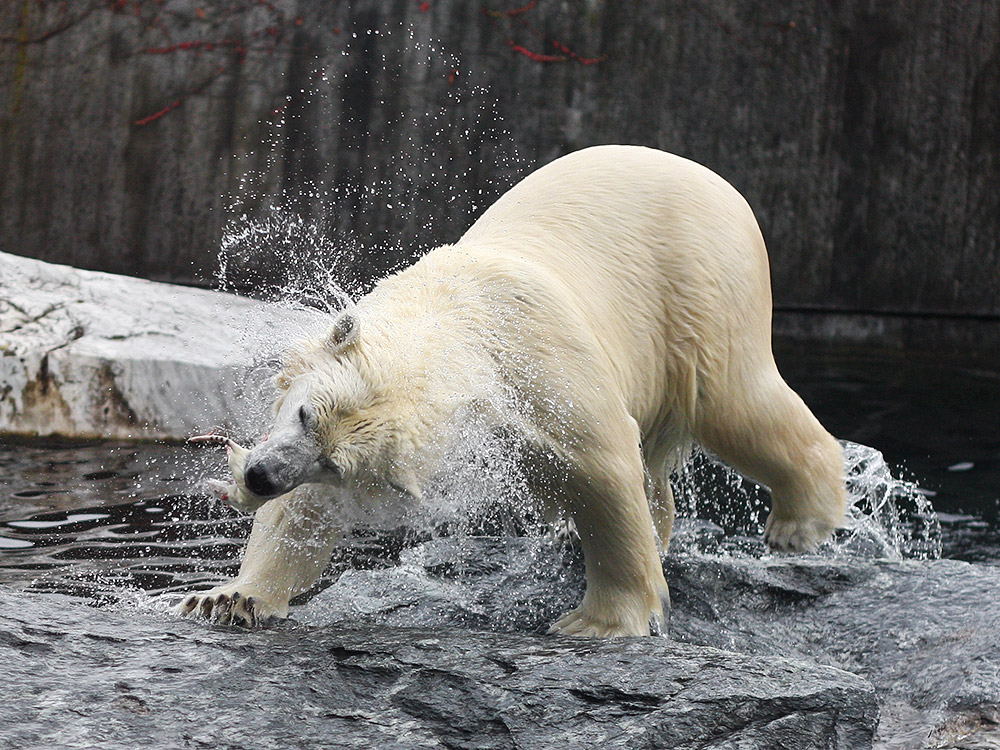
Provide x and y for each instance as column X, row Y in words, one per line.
column 625, row 584
column 290, row 544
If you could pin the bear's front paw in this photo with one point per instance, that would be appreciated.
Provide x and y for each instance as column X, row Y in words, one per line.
column 583, row 625
column 231, row 605
column 796, row 534
column 627, row 616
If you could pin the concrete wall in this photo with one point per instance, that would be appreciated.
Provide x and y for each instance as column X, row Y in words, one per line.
column 866, row 134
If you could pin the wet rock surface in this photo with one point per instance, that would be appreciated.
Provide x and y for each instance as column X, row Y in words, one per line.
column 88, row 354
column 925, row 633
column 94, row 678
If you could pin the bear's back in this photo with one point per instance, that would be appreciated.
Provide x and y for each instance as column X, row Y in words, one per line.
column 650, row 267
column 617, row 219
column 649, row 243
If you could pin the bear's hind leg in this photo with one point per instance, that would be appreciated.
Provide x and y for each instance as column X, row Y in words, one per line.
column 767, row 433
column 290, row 544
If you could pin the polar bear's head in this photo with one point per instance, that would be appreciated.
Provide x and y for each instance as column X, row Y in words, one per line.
column 334, row 422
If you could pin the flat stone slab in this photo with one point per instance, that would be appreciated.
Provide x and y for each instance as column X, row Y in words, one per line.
column 86, row 354
column 925, row 633
column 75, row 676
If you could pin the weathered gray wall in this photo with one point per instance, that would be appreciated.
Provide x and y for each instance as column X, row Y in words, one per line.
column 865, row 133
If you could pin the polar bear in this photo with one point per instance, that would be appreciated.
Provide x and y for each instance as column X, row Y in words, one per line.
column 619, row 299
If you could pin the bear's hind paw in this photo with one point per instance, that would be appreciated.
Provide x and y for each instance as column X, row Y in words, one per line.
column 796, row 535
column 225, row 608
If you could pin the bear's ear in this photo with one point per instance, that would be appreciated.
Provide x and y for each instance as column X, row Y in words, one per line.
column 343, row 333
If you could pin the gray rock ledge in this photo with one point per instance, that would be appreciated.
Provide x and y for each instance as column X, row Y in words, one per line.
column 76, row 676
column 86, row 354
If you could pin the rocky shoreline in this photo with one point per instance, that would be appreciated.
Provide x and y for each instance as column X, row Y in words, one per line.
column 95, row 678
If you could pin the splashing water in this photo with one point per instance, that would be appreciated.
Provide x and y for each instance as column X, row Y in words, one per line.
column 887, row 517
column 483, row 482
column 307, row 266
column 314, row 221
column 318, row 219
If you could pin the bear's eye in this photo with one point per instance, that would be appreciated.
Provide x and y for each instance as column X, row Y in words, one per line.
column 304, row 416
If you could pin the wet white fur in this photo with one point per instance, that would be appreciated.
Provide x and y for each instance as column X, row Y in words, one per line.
column 612, row 308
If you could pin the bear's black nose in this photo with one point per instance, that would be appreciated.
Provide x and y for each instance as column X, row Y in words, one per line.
column 257, row 480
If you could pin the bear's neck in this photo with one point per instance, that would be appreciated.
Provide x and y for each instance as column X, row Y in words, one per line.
column 421, row 342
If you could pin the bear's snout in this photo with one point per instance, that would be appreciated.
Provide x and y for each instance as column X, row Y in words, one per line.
column 258, row 481
column 281, row 463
